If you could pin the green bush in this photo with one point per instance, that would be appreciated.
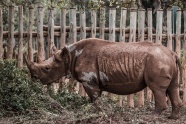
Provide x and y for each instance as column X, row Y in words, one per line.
column 18, row 92
column 70, row 101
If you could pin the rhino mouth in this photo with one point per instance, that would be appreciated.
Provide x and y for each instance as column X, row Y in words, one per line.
column 47, row 82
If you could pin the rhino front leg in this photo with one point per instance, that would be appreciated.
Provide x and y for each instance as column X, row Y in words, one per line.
column 92, row 90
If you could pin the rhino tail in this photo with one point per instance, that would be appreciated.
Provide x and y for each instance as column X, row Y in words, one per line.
column 178, row 62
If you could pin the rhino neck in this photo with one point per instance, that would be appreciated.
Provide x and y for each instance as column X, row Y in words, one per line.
column 73, row 48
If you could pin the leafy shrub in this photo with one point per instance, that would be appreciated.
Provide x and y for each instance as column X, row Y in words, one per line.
column 18, row 92
column 70, row 101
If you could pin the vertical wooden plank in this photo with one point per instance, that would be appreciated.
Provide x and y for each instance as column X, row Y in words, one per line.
column 62, row 38
column 52, row 87
column 30, row 39
column 149, row 14
column 93, row 23
column 82, row 36
column 169, row 29
column 133, row 14
column 20, row 42
column 72, row 19
column 82, row 24
column 63, row 28
column 184, row 64
column 73, row 36
column 132, row 38
column 10, row 44
column 178, row 32
column 159, row 21
column 40, row 39
column 112, row 20
column 102, row 23
column 141, row 27
column 141, row 24
column 123, row 24
column 50, row 32
column 122, row 37
column 112, row 25
column 1, row 33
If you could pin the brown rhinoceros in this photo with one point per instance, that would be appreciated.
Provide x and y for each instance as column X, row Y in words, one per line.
column 117, row 67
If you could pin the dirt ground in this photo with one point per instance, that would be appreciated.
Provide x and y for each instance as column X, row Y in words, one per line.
column 100, row 113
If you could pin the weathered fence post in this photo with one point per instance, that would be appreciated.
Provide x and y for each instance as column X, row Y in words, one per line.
column 133, row 15
column 178, row 32
column 82, row 24
column 63, row 28
column 112, row 20
column 184, row 64
column 149, row 14
column 93, row 23
column 10, row 44
column 159, row 21
column 53, row 87
column 83, row 36
column 30, row 39
column 132, row 38
column 72, row 19
column 122, row 38
column 123, row 24
column 73, row 36
column 62, row 38
column 141, row 26
column 1, row 33
column 20, row 42
column 169, row 29
column 40, row 39
column 102, row 23
column 50, row 31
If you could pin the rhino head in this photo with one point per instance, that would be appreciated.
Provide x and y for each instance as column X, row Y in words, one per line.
column 51, row 69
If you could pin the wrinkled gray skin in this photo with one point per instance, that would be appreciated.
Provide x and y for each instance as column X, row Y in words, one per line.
column 120, row 68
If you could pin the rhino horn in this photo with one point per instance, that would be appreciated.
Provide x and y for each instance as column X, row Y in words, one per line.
column 29, row 63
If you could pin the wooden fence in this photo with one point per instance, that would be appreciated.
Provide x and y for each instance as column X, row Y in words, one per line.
column 137, row 31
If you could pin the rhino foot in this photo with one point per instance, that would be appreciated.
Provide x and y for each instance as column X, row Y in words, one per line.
column 174, row 117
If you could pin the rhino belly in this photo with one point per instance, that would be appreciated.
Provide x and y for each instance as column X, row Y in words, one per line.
column 125, row 88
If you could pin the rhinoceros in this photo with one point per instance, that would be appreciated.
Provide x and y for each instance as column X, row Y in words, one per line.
column 116, row 67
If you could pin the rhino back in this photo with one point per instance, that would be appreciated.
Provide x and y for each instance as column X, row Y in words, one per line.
column 122, row 63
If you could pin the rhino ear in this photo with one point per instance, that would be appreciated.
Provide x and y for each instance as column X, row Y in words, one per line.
column 64, row 53
column 54, row 49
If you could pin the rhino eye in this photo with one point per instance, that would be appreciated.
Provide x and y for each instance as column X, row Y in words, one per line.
column 46, row 69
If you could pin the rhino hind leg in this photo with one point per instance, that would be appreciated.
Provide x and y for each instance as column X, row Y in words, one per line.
column 173, row 92
column 158, row 85
column 160, row 101
column 175, row 102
